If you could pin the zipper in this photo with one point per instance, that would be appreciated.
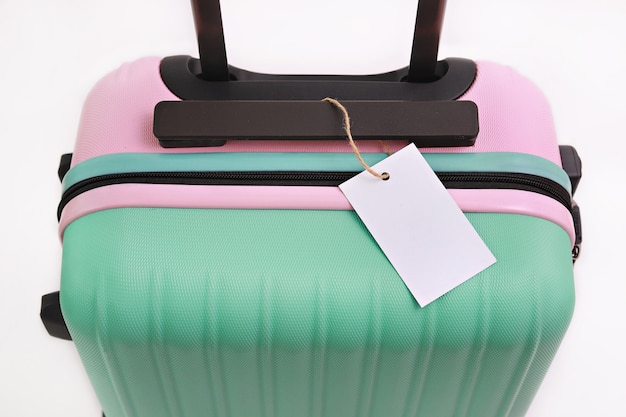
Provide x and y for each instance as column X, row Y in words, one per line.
column 452, row 180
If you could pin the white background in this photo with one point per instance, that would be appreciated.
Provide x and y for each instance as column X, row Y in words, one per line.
column 52, row 52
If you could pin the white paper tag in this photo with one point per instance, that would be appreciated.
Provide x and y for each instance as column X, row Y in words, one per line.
column 418, row 225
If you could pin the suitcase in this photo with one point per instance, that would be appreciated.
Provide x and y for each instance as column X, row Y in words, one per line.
column 212, row 267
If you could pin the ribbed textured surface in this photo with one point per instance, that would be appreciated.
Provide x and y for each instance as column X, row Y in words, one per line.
column 514, row 116
column 279, row 313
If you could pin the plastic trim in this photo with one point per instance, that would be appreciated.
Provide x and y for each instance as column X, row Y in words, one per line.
column 180, row 75
column 300, row 198
column 307, row 161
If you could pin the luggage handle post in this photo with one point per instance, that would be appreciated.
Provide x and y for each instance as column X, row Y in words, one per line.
column 211, row 46
column 423, row 63
column 428, row 24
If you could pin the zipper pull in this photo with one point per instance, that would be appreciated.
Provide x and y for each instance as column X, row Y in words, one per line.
column 578, row 229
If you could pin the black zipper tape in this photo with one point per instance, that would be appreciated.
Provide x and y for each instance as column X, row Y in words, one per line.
column 451, row 180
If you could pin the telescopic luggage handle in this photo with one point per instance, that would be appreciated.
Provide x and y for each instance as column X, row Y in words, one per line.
column 222, row 102
column 422, row 68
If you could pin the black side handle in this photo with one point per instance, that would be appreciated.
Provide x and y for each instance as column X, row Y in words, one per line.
column 179, row 124
column 52, row 317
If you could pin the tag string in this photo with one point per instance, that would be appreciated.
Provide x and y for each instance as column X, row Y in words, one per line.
column 346, row 126
column 385, row 147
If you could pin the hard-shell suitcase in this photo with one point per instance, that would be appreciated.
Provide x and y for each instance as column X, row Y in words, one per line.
column 212, row 267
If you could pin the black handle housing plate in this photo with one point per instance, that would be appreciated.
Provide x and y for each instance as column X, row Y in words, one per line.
column 182, row 76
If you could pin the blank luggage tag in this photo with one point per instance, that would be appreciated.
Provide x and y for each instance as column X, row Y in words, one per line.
column 418, row 225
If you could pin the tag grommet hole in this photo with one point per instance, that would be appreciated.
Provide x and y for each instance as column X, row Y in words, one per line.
column 385, row 176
